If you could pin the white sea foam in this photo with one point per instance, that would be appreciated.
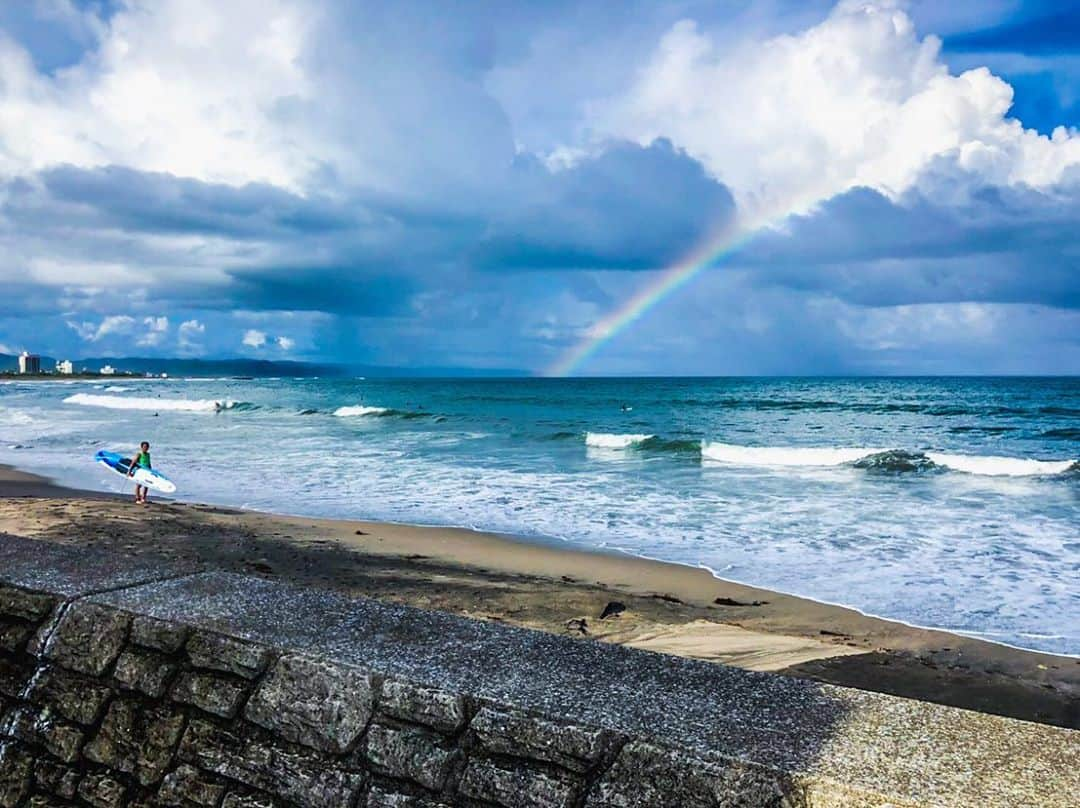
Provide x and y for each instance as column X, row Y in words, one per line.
column 790, row 456
column 604, row 440
column 156, row 404
column 782, row 455
column 350, row 412
column 1000, row 466
column 14, row 418
column 116, row 389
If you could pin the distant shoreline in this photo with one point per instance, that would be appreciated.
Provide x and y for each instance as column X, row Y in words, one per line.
column 62, row 377
column 656, row 605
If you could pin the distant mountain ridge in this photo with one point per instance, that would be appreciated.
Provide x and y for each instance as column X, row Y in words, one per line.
column 252, row 367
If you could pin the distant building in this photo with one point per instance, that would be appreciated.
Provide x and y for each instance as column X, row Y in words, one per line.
column 108, row 370
column 65, row 367
column 29, row 363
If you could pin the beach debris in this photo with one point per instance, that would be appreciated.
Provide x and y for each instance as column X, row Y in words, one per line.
column 361, row 533
column 665, row 597
column 613, row 609
column 578, row 625
column 733, row 602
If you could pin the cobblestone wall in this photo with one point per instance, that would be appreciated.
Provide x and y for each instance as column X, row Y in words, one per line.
column 106, row 708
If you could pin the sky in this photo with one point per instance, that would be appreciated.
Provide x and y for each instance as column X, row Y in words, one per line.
column 665, row 187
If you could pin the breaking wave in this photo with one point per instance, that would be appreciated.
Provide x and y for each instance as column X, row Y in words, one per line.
column 888, row 460
column 1001, row 466
column 14, row 418
column 643, row 442
column 360, row 410
column 782, row 455
column 605, row 440
column 157, row 404
column 354, row 411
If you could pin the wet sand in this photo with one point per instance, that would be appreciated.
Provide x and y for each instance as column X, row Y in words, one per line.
column 590, row 596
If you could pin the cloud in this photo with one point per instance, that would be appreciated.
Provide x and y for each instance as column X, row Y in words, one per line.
column 1001, row 245
column 623, row 206
column 264, row 91
column 148, row 331
column 761, row 328
column 111, row 325
column 171, row 87
column 190, row 329
column 154, row 332
column 408, row 187
column 119, row 196
column 188, row 335
column 856, row 100
column 258, row 247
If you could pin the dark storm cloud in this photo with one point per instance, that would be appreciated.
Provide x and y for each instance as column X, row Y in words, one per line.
column 344, row 288
column 628, row 208
column 162, row 203
column 358, row 251
column 1000, row 245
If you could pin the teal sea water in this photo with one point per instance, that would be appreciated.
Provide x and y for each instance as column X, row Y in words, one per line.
column 951, row 503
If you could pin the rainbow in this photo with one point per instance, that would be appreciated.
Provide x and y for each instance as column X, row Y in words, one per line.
column 718, row 246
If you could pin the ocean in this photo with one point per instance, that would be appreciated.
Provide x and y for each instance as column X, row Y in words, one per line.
column 950, row 503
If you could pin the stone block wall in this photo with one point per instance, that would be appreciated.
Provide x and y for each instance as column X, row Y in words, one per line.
column 126, row 687
column 106, row 708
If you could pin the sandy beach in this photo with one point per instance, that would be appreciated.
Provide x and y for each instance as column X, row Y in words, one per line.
column 590, row 596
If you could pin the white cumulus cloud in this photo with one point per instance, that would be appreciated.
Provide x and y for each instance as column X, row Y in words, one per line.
column 189, row 330
column 155, row 330
column 181, row 86
column 858, row 99
column 111, row 325
column 268, row 91
column 253, row 338
column 285, row 343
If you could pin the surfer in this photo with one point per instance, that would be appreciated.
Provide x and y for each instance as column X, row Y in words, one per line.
column 142, row 460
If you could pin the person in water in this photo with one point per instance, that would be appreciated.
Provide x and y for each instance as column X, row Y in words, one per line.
column 141, row 461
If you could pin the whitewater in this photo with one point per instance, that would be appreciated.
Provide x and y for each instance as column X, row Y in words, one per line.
column 156, row 404
column 950, row 503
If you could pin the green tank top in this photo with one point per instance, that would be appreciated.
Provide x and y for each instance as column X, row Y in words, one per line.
column 143, row 460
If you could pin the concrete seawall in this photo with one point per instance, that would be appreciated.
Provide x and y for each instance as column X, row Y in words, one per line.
column 131, row 684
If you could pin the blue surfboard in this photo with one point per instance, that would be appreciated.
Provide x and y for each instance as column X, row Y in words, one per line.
column 148, row 477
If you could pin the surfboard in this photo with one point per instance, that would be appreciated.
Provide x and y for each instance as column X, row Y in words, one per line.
column 148, row 477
